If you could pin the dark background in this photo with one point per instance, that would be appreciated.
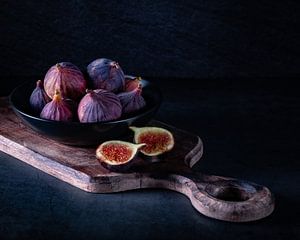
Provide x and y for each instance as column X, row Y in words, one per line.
column 228, row 71
column 166, row 39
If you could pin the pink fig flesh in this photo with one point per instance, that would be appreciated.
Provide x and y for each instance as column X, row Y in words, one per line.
column 157, row 140
column 117, row 155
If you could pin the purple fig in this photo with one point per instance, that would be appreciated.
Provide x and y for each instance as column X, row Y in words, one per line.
column 106, row 74
column 67, row 79
column 38, row 98
column 132, row 101
column 99, row 105
column 58, row 109
column 132, row 83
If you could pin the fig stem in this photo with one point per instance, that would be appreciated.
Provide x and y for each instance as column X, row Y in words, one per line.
column 89, row 90
column 114, row 64
column 135, row 129
column 39, row 83
column 140, row 145
column 57, row 96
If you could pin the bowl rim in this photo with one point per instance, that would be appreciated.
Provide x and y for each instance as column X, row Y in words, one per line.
column 75, row 123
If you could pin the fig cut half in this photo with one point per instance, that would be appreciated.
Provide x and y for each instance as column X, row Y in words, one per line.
column 116, row 153
column 157, row 140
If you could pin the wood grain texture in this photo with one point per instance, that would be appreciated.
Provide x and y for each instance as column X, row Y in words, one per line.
column 217, row 197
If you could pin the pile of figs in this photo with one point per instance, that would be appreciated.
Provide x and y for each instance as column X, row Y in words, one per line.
column 105, row 94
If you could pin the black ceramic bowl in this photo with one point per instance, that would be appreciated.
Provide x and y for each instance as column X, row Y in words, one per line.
column 84, row 134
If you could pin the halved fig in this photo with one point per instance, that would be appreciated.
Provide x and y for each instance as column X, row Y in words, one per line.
column 157, row 140
column 117, row 155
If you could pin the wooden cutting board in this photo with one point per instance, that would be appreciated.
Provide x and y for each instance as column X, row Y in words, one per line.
column 214, row 196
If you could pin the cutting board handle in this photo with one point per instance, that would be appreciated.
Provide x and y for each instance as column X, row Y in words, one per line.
column 218, row 197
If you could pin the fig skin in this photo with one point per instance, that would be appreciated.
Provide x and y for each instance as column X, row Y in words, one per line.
column 73, row 106
column 132, row 83
column 157, row 140
column 38, row 98
column 117, row 156
column 58, row 109
column 99, row 105
column 132, row 101
column 122, row 168
column 67, row 79
column 106, row 74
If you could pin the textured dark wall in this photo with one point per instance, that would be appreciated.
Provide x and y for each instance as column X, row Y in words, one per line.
column 198, row 39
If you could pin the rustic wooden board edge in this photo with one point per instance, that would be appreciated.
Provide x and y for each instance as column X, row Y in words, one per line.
column 55, row 169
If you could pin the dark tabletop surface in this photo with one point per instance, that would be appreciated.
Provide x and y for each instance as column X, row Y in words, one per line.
column 250, row 131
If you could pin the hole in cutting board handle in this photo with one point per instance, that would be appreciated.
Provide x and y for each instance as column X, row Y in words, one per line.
column 231, row 190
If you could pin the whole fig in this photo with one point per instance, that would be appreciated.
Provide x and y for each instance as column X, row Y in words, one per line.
column 99, row 105
column 38, row 98
column 67, row 79
column 132, row 83
column 132, row 101
column 106, row 74
column 58, row 109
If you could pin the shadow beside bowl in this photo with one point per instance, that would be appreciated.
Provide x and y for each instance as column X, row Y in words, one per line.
column 84, row 134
